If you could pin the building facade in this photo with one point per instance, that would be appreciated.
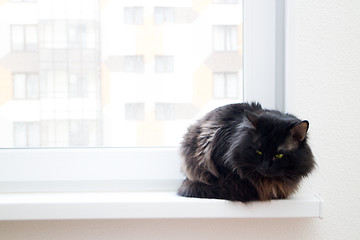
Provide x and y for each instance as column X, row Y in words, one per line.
column 114, row 73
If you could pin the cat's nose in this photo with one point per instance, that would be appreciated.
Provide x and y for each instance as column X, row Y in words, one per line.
column 262, row 169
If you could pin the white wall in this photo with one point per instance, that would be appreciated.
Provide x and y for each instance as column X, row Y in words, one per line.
column 326, row 91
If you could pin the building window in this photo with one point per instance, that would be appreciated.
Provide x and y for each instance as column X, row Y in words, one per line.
column 78, row 86
column 24, row 38
column 133, row 15
column 25, row 86
column 78, row 133
column 163, row 15
column 165, row 111
column 77, row 35
column 225, row 38
column 134, row 111
column 54, row 133
column 26, row 134
column 164, row 64
column 82, row 132
column 134, row 64
column 226, row 85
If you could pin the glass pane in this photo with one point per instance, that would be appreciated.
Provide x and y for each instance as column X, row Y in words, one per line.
column 19, row 86
column 78, row 86
column 33, row 134
column 232, row 85
column 219, row 85
column 133, row 15
column 219, row 38
column 20, row 135
column 32, row 86
column 78, row 133
column 17, row 38
column 134, row 64
column 116, row 73
column 30, row 38
column 134, row 111
column 164, row 64
column 59, row 34
column 164, row 15
column 165, row 111
column 231, row 38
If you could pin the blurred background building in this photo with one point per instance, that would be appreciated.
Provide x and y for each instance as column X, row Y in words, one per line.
column 114, row 73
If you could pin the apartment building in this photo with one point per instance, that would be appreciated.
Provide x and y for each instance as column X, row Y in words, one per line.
column 114, row 73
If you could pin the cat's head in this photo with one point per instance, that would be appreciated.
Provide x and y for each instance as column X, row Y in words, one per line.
column 271, row 144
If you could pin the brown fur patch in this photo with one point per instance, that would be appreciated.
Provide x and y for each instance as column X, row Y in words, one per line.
column 205, row 146
column 269, row 188
column 200, row 166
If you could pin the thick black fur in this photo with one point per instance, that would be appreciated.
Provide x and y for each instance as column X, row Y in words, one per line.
column 221, row 156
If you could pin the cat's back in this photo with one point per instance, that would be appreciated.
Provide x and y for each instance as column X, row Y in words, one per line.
column 231, row 112
column 207, row 134
column 219, row 117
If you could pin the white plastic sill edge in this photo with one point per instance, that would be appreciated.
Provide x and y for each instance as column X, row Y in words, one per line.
column 147, row 205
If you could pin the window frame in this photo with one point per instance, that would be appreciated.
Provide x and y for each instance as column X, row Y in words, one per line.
column 226, row 76
column 161, row 14
column 25, row 45
column 226, row 31
column 164, row 64
column 27, row 126
column 107, row 169
column 27, row 76
column 133, row 15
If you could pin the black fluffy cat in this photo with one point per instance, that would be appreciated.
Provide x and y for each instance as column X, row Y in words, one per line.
column 242, row 152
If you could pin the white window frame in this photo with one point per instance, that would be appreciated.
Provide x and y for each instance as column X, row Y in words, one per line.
column 27, row 127
column 228, row 33
column 123, row 169
column 164, row 15
column 164, row 64
column 264, row 52
column 226, row 76
column 134, row 15
column 26, row 46
column 27, row 79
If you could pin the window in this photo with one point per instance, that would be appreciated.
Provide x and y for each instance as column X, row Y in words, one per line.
column 78, row 86
column 225, row 38
column 82, row 133
column 109, row 81
column 164, row 64
column 25, row 86
column 134, row 111
column 226, row 85
column 26, row 134
column 23, row 37
column 133, row 15
column 164, row 15
column 165, row 111
column 134, row 64
column 77, row 35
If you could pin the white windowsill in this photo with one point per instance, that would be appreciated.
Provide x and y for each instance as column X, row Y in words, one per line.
column 147, row 205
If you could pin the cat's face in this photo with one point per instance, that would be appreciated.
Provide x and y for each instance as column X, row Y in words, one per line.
column 275, row 148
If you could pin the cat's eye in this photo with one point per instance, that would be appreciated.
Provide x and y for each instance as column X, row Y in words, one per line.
column 278, row 156
column 258, row 152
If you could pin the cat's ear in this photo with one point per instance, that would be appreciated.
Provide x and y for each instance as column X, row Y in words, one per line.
column 252, row 117
column 299, row 130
